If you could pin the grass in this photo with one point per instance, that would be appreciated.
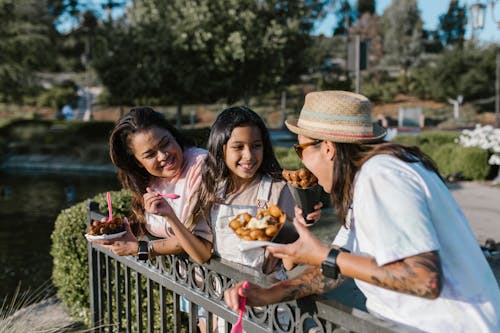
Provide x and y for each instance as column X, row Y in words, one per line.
column 36, row 311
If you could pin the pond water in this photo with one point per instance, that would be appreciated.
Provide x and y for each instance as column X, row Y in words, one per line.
column 29, row 205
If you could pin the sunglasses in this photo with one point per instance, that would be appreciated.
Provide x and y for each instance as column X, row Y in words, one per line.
column 299, row 148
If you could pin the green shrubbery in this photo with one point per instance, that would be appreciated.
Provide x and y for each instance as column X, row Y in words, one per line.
column 69, row 251
column 451, row 159
column 287, row 158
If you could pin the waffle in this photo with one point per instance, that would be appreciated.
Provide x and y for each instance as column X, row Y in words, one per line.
column 264, row 226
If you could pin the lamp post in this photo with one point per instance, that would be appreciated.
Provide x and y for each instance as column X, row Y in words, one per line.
column 478, row 11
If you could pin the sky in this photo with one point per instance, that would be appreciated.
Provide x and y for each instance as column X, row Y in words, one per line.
column 430, row 10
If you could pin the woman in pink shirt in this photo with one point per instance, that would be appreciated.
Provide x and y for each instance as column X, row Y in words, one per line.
column 153, row 158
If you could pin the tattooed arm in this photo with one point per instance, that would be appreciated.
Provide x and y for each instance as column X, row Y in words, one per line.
column 419, row 275
column 309, row 282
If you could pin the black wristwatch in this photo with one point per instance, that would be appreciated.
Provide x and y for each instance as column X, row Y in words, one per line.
column 142, row 251
column 329, row 267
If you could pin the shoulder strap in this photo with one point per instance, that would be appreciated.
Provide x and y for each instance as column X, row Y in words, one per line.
column 264, row 191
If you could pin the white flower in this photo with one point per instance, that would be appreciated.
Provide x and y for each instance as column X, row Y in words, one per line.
column 485, row 137
column 494, row 160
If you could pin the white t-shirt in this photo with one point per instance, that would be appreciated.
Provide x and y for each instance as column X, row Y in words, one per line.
column 400, row 210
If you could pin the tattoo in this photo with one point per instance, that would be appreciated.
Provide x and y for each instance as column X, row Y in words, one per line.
column 406, row 275
column 310, row 282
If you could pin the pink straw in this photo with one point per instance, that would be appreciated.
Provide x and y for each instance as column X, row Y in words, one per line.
column 110, row 208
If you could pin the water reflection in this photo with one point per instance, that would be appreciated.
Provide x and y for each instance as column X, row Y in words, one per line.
column 29, row 205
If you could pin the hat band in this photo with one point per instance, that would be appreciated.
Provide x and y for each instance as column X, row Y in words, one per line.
column 343, row 135
column 335, row 117
column 342, row 129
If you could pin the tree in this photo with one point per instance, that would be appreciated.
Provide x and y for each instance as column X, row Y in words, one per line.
column 452, row 25
column 369, row 27
column 206, row 50
column 402, row 35
column 24, row 47
column 345, row 18
column 365, row 7
column 467, row 72
column 266, row 43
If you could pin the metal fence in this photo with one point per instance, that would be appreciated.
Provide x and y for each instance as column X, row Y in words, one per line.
column 171, row 293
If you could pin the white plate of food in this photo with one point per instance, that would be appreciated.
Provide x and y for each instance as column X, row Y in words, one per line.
column 105, row 236
column 245, row 245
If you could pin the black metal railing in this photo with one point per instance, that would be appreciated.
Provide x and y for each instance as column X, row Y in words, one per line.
column 127, row 295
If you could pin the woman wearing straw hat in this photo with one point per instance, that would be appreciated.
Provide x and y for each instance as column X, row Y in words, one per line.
column 403, row 238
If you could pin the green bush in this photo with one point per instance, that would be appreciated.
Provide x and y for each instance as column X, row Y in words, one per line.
column 409, row 140
column 69, row 252
column 56, row 97
column 287, row 158
column 472, row 162
column 27, row 130
column 450, row 158
column 443, row 156
column 438, row 137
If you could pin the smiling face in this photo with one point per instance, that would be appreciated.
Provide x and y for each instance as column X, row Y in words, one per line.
column 243, row 154
column 157, row 151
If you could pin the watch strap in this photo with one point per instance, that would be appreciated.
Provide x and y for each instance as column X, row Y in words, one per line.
column 329, row 267
column 142, row 250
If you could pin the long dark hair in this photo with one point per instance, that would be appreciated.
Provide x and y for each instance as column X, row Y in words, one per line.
column 130, row 172
column 214, row 172
column 350, row 157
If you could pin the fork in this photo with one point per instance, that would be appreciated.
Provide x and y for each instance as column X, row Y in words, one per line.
column 169, row 195
column 238, row 326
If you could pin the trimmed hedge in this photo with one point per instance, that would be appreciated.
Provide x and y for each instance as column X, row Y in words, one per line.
column 451, row 158
column 69, row 252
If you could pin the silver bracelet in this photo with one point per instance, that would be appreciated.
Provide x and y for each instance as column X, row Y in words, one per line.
column 150, row 248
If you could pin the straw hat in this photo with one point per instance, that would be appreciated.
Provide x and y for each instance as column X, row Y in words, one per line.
column 338, row 116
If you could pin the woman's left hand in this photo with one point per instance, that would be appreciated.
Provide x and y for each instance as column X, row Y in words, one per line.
column 125, row 245
column 315, row 215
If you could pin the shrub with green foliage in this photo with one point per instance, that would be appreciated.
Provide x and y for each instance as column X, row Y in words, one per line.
column 56, row 97
column 450, row 157
column 472, row 162
column 287, row 158
column 69, row 251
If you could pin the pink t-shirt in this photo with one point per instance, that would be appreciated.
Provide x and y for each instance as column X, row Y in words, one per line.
column 186, row 185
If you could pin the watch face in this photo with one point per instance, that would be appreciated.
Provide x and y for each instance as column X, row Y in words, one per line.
column 142, row 251
column 329, row 270
column 329, row 267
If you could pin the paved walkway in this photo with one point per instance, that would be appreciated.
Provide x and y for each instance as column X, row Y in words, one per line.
column 480, row 202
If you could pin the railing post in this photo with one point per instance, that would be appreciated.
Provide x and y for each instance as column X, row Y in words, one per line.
column 93, row 271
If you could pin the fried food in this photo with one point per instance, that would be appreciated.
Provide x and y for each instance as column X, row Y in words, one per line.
column 114, row 226
column 301, row 178
column 264, row 226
